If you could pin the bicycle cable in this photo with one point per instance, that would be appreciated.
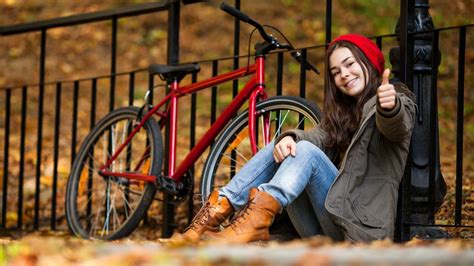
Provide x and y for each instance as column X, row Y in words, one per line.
column 152, row 89
column 248, row 47
column 271, row 27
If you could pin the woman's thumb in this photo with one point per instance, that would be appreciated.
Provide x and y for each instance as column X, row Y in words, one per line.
column 386, row 76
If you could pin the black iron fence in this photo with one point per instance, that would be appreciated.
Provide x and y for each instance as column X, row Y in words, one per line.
column 36, row 164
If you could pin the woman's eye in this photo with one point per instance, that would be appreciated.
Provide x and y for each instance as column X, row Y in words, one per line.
column 335, row 73
column 350, row 64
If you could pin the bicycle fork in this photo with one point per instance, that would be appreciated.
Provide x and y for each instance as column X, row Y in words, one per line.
column 257, row 95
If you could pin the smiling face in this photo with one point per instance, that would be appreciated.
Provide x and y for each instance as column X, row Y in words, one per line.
column 348, row 74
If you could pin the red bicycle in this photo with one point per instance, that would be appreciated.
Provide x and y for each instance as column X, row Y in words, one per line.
column 118, row 168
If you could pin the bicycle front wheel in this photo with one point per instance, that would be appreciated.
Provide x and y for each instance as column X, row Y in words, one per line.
column 232, row 149
column 110, row 207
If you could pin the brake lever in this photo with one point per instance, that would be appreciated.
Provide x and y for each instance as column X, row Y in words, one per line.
column 308, row 66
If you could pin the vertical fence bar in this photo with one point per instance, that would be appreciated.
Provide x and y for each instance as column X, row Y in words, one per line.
column 57, row 122
column 131, row 93
column 215, row 66
column 378, row 41
column 151, row 84
column 302, row 83
column 235, row 83
column 192, row 143
column 328, row 20
column 93, row 102
column 406, row 41
column 131, row 88
column 5, row 157
column 173, row 33
column 40, row 128
column 75, row 104
column 166, row 211
column 303, row 74
column 407, row 11
column 173, row 59
column 21, row 174
column 433, row 122
column 113, row 63
column 91, row 125
column 460, row 125
column 328, row 30
column 279, row 81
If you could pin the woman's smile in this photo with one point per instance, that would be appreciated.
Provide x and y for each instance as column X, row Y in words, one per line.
column 352, row 83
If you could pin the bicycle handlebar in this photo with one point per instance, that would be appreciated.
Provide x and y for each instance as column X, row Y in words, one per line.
column 268, row 38
column 237, row 13
column 299, row 57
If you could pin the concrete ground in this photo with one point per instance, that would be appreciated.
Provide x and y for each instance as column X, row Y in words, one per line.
column 317, row 251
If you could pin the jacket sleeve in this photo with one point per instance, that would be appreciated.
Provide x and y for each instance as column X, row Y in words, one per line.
column 398, row 123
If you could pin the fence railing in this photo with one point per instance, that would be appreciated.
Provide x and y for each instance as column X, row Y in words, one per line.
column 34, row 173
column 171, row 6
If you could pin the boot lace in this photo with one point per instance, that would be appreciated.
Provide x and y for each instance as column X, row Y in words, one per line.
column 201, row 217
column 241, row 216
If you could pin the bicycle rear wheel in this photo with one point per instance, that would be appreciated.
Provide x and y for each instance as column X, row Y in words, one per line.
column 107, row 207
column 232, row 149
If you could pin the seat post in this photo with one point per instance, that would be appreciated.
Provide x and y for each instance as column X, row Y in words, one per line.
column 173, row 127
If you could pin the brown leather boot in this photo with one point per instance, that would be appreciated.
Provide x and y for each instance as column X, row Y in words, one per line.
column 253, row 222
column 209, row 218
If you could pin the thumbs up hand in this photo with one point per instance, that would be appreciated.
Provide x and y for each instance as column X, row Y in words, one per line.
column 386, row 92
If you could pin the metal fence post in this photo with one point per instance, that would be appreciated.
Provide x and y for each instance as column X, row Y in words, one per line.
column 173, row 59
column 40, row 128
column 424, row 196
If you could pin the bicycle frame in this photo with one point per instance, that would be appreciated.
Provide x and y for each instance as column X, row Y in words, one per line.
column 254, row 90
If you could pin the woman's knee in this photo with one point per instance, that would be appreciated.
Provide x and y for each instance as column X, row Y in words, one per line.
column 265, row 153
column 305, row 148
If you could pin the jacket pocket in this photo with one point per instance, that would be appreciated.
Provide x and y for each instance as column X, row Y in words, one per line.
column 366, row 217
column 373, row 205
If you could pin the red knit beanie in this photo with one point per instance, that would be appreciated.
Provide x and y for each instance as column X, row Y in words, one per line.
column 369, row 48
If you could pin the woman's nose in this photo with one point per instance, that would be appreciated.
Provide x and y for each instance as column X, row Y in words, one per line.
column 344, row 72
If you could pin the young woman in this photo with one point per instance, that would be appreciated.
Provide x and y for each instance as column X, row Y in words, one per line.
column 367, row 128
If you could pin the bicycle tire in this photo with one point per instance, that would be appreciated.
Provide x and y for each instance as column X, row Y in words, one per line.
column 105, row 207
column 218, row 169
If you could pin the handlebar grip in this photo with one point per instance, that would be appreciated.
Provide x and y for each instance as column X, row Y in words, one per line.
column 236, row 13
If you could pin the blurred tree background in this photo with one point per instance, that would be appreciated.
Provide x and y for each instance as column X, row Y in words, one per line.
column 206, row 32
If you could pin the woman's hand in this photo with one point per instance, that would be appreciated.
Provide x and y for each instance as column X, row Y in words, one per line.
column 386, row 92
column 285, row 147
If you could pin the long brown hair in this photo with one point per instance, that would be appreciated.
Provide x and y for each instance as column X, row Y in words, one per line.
column 343, row 112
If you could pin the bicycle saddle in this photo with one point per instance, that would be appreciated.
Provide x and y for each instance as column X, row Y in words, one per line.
column 179, row 71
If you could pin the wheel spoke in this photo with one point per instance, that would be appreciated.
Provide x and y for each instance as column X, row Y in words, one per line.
column 99, row 207
column 113, row 206
column 280, row 125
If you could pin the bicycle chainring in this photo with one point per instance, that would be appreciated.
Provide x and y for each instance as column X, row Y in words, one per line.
column 177, row 191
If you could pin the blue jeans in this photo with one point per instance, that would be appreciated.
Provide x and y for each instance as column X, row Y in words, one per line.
column 299, row 183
